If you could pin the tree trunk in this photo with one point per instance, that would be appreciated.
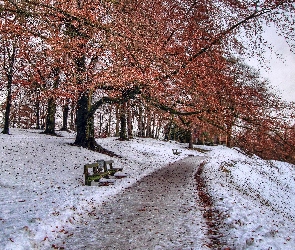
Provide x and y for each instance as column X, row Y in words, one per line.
column 148, row 123
column 9, row 72
column 153, row 126
column 158, row 128
column 191, row 139
column 51, row 107
column 8, row 105
column 129, row 121
column 117, row 134
column 110, row 121
column 123, row 131
column 50, row 118
column 140, row 122
column 72, row 114
column 81, row 120
column 37, row 105
column 85, row 122
column 170, row 131
column 100, row 132
column 228, row 137
column 65, row 115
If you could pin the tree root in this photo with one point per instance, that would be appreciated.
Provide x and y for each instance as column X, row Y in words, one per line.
column 94, row 146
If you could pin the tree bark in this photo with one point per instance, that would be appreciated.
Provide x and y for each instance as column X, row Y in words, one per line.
column 100, row 132
column 191, row 138
column 85, row 123
column 228, row 137
column 51, row 107
column 140, row 121
column 37, row 106
column 117, row 134
column 123, row 131
column 72, row 119
column 109, row 121
column 81, row 120
column 85, row 119
column 9, row 73
column 8, row 105
column 50, row 117
column 148, row 123
column 65, row 115
column 129, row 121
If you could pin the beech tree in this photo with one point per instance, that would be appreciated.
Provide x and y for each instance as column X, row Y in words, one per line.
column 170, row 54
column 9, row 58
column 10, row 53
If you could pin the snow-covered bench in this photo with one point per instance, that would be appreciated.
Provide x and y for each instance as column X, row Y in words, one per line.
column 111, row 167
column 101, row 169
column 175, row 151
column 96, row 174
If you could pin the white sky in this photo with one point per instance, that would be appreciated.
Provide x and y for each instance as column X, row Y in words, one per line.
column 282, row 70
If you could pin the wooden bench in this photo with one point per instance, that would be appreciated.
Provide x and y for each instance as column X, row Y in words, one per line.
column 111, row 167
column 100, row 169
column 175, row 151
column 96, row 172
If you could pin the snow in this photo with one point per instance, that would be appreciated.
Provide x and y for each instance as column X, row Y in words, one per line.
column 43, row 196
column 255, row 197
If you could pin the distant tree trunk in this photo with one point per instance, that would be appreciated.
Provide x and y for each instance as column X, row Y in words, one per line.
column 228, row 137
column 229, row 127
column 65, row 115
column 50, row 117
column 153, row 126
column 123, row 127
column 72, row 115
column 51, row 107
column 37, row 106
column 100, row 124
column 109, row 121
column 129, row 120
column 117, row 134
column 9, row 72
column 140, row 121
column 148, row 123
column 191, row 138
column 170, row 131
column 157, row 133
column 8, row 106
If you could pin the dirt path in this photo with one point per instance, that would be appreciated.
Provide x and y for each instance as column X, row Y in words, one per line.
column 158, row 212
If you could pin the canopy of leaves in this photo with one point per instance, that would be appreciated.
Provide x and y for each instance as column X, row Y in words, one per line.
column 176, row 56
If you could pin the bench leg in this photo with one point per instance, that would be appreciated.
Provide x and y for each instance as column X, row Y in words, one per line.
column 87, row 182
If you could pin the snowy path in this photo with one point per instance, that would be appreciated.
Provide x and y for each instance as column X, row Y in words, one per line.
column 158, row 212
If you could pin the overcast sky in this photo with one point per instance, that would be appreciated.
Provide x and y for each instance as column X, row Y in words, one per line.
column 282, row 71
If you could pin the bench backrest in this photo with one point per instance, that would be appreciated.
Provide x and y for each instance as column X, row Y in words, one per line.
column 94, row 166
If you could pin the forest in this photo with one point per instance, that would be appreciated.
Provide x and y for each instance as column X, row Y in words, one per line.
column 169, row 69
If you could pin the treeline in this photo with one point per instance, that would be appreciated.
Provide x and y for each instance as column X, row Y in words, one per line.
column 149, row 69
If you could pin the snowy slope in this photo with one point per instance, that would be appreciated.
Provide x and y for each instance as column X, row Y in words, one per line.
column 256, row 199
column 42, row 190
column 42, row 195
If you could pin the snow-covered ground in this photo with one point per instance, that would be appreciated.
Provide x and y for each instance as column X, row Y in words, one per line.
column 256, row 199
column 42, row 196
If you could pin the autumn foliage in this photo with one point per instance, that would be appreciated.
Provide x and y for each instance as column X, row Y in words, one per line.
column 148, row 64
